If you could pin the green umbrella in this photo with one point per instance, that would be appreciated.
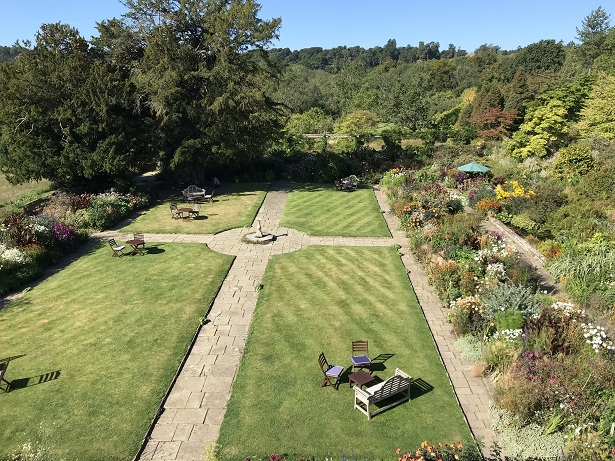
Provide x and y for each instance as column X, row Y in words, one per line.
column 473, row 167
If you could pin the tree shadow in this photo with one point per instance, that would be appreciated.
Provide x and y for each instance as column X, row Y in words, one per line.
column 420, row 387
column 22, row 383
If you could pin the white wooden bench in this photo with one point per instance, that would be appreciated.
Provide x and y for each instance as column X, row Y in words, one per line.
column 365, row 400
column 193, row 191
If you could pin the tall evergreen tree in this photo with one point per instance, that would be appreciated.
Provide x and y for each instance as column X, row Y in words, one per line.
column 206, row 75
column 592, row 35
column 67, row 115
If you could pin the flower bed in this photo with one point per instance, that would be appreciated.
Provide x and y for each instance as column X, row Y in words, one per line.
column 29, row 243
column 553, row 366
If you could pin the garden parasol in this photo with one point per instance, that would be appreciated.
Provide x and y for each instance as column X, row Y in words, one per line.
column 473, row 167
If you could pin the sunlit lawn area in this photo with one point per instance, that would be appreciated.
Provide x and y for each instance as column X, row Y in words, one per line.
column 10, row 192
column 234, row 205
column 97, row 346
column 321, row 299
column 321, row 210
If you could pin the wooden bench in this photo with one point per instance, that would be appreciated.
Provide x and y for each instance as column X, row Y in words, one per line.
column 192, row 192
column 350, row 183
column 397, row 385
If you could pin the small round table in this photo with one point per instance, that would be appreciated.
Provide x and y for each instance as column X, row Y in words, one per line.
column 135, row 244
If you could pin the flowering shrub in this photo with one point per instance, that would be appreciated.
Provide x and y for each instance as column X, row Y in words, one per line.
column 466, row 316
column 475, row 195
column 596, row 337
column 539, row 386
column 553, row 253
column 446, row 280
column 427, row 451
column 510, row 189
column 12, row 255
column 487, row 205
column 64, row 234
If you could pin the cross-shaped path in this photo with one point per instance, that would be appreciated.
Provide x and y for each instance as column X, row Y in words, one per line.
column 195, row 406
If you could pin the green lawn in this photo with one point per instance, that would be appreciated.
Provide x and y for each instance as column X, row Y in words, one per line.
column 10, row 192
column 234, row 205
column 98, row 345
column 321, row 299
column 320, row 210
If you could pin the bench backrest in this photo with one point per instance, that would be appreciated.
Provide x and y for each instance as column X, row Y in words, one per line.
column 391, row 386
column 192, row 189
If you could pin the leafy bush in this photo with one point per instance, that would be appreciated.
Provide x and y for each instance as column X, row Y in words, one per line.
column 521, row 441
column 446, row 280
column 466, row 316
column 469, row 347
column 573, row 160
column 500, row 353
column 454, row 233
column 476, row 195
column 509, row 297
column 509, row 320
column 524, row 223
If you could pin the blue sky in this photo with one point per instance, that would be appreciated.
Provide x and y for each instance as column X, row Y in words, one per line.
column 367, row 23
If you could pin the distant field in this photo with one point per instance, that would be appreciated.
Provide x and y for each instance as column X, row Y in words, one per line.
column 9, row 192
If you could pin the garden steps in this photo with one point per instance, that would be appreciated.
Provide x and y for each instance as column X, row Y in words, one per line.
column 530, row 254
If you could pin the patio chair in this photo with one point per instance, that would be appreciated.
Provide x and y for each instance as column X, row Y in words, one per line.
column 3, row 366
column 331, row 373
column 175, row 213
column 359, row 356
column 196, row 208
column 117, row 249
column 338, row 185
column 139, row 236
column 210, row 197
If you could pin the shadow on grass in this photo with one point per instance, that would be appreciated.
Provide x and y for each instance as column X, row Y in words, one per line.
column 22, row 383
column 378, row 362
column 420, row 387
column 154, row 250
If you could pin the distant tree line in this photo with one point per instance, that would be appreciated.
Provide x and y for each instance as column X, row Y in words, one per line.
column 537, row 99
column 8, row 53
column 334, row 59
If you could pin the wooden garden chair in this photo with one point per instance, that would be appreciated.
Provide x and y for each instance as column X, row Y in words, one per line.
column 196, row 209
column 359, row 356
column 210, row 197
column 175, row 213
column 139, row 236
column 3, row 366
column 331, row 373
column 117, row 249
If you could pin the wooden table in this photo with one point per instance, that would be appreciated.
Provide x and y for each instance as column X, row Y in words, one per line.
column 360, row 378
column 135, row 244
column 184, row 210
